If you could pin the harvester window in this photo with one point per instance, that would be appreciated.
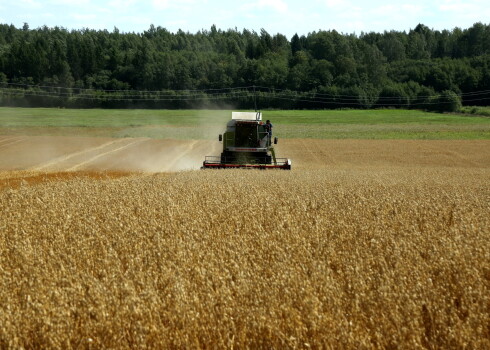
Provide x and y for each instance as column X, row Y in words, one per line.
column 246, row 135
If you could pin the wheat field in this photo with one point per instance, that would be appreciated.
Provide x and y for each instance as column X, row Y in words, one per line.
column 378, row 257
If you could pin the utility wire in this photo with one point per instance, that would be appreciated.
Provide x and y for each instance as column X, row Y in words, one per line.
column 185, row 92
column 243, row 94
column 126, row 96
column 353, row 96
column 121, row 90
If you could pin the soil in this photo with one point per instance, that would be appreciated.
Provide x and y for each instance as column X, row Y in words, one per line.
column 75, row 153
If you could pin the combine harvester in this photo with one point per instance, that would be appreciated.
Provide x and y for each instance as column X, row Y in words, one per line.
column 247, row 143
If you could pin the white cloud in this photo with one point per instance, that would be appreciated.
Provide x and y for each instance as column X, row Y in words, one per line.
column 161, row 4
column 350, row 11
column 121, row 3
column 377, row 16
column 31, row 4
column 459, row 6
column 47, row 15
column 70, row 2
column 82, row 17
column 396, row 12
column 337, row 3
column 173, row 4
column 413, row 8
column 181, row 24
column 276, row 5
column 276, row 16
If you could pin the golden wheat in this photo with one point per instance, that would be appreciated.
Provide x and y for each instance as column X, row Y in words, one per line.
column 351, row 259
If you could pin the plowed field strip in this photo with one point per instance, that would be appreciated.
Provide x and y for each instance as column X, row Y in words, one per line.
column 181, row 155
column 8, row 138
column 54, row 154
column 6, row 144
column 100, row 155
column 455, row 155
column 76, row 154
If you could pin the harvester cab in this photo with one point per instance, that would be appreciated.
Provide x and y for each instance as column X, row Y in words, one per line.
column 247, row 143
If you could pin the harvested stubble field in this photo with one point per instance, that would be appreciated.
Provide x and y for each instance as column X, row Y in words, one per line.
column 364, row 244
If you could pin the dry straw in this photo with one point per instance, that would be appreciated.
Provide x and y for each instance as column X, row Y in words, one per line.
column 392, row 258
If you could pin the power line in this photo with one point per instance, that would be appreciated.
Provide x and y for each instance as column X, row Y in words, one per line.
column 193, row 92
column 353, row 96
column 393, row 102
column 120, row 98
column 211, row 90
column 162, row 96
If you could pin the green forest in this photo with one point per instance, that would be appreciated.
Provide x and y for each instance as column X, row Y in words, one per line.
column 419, row 69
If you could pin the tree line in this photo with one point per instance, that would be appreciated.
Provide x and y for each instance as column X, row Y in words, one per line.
column 421, row 68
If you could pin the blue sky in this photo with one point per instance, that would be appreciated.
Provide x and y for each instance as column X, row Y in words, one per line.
column 275, row 16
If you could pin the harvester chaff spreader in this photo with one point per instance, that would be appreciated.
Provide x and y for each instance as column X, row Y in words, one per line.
column 247, row 143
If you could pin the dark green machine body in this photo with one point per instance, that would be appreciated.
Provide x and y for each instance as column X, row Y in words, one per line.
column 247, row 143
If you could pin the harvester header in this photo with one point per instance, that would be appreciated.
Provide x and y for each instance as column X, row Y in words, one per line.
column 247, row 143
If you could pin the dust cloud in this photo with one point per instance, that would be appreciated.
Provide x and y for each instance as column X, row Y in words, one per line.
column 151, row 147
column 61, row 153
